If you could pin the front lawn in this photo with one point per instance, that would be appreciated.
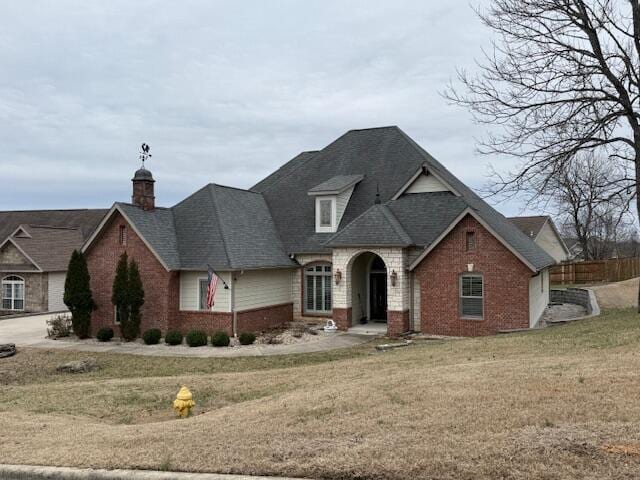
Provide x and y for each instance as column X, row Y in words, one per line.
column 544, row 404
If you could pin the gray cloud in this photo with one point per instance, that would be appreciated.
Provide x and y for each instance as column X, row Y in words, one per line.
column 224, row 92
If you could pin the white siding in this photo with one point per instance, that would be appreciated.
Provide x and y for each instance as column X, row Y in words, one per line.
column 342, row 201
column 538, row 296
column 426, row 183
column 56, row 291
column 261, row 288
column 190, row 288
column 549, row 241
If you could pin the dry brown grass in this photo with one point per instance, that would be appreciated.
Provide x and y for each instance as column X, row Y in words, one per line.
column 545, row 404
column 618, row 294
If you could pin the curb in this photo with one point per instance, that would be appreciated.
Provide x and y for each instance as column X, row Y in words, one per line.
column 31, row 472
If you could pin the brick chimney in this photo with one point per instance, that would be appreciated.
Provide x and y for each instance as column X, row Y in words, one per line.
column 143, row 196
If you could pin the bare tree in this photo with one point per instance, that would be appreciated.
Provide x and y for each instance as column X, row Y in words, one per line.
column 563, row 78
column 591, row 210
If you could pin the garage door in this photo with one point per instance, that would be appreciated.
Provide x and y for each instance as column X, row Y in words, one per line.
column 56, row 291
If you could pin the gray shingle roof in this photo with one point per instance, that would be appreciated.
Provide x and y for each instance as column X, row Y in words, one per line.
column 389, row 159
column 375, row 227
column 157, row 228
column 426, row 215
column 49, row 247
column 336, row 184
column 227, row 228
column 230, row 228
column 84, row 219
column 284, row 170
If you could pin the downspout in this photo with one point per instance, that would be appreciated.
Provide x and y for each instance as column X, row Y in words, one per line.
column 234, row 314
column 411, row 302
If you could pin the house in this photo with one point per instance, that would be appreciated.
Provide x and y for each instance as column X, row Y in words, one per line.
column 370, row 228
column 544, row 232
column 35, row 247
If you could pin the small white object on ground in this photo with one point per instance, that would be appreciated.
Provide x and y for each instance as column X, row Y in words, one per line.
column 330, row 326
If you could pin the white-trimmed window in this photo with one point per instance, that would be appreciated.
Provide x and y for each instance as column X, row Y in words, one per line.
column 12, row 293
column 203, row 289
column 325, row 214
column 317, row 289
column 471, row 296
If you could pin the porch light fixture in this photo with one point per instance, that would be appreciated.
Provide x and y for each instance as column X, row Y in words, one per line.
column 394, row 278
column 337, row 276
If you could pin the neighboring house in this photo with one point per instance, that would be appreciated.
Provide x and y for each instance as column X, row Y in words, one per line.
column 544, row 232
column 370, row 228
column 35, row 247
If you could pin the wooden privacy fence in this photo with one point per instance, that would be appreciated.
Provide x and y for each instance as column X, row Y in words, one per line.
column 596, row 271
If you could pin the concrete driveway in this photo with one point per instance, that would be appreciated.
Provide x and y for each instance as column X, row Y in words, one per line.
column 31, row 330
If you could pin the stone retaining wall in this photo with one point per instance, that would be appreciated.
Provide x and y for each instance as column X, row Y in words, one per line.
column 577, row 296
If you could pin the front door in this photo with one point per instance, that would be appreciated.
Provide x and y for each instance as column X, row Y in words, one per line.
column 378, row 296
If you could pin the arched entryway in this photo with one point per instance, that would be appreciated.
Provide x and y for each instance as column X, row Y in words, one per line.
column 368, row 289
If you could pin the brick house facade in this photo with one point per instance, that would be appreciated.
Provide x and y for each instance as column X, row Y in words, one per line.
column 370, row 230
column 506, row 284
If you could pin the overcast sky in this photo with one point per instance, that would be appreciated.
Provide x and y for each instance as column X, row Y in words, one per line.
column 223, row 92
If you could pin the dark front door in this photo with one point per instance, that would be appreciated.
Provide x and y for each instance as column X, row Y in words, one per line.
column 378, row 296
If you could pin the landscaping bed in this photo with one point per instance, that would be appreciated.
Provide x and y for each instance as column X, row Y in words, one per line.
column 292, row 333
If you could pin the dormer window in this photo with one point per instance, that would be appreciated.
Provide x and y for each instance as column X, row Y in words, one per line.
column 325, row 214
column 332, row 197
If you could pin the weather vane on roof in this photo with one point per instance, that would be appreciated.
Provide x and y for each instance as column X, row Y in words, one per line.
column 144, row 153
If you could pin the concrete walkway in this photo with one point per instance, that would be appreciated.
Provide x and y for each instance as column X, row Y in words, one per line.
column 27, row 472
column 32, row 330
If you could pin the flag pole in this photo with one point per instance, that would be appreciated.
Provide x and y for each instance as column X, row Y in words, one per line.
column 226, row 287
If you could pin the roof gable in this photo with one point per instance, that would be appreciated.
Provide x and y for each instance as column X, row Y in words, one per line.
column 375, row 227
column 14, row 259
column 530, row 226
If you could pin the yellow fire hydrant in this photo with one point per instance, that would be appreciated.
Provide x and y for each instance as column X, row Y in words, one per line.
column 183, row 402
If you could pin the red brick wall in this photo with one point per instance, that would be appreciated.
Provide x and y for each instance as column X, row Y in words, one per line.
column 342, row 317
column 208, row 322
column 506, row 284
column 159, row 285
column 397, row 322
column 162, row 291
column 264, row 318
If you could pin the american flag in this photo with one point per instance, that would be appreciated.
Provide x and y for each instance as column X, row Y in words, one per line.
column 211, row 290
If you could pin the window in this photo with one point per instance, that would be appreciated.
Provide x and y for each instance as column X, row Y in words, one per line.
column 317, row 288
column 122, row 235
column 202, row 295
column 116, row 315
column 542, row 281
column 325, row 214
column 471, row 296
column 12, row 293
column 470, row 241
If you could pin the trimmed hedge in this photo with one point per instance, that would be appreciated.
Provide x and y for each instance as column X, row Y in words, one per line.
column 152, row 336
column 220, row 339
column 247, row 338
column 173, row 337
column 196, row 338
column 105, row 334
